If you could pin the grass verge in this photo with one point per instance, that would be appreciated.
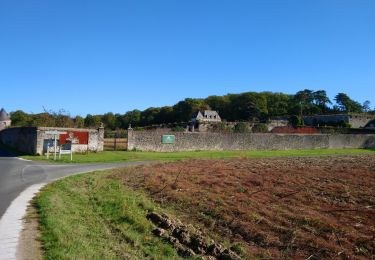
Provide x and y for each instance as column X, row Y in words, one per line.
column 91, row 216
column 128, row 156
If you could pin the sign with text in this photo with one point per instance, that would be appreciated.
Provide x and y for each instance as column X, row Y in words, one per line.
column 167, row 139
column 74, row 137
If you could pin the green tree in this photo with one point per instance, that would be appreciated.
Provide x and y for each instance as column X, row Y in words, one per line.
column 321, row 100
column 20, row 118
column 149, row 116
column 109, row 121
column 247, row 106
column 346, row 104
column 185, row 109
column 79, row 122
column 277, row 104
column 241, row 127
column 304, row 99
column 93, row 121
column 366, row 106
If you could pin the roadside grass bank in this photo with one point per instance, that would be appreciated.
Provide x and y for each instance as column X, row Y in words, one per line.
column 93, row 216
column 131, row 156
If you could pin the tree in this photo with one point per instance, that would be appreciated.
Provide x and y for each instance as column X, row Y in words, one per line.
column 220, row 104
column 366, row 106
column 93, row 121
column 321, row 100
column 241, row 127
column 149, row 116
column 109, row 121
column 79, row 122
column 185, row 109
column 247, row 106
column 277, row 104
column 304, row 99
column 20, row 118
column 346, row 104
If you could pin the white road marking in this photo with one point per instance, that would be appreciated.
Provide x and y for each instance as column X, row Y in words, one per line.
column 11, row 222
column 21, row 159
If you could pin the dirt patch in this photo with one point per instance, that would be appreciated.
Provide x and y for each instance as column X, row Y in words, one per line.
column 29, row 245
column 187, row 240
column 310, row 207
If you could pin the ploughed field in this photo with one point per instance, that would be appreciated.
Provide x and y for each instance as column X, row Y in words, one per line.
column 296, row 207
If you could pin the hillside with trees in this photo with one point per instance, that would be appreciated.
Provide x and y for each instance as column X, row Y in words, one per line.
column 247, row 106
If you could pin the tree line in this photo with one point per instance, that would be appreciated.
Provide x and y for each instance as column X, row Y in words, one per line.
column 247, row 106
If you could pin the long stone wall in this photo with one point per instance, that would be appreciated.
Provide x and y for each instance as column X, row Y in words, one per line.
column 35, row 140
column 152, row 141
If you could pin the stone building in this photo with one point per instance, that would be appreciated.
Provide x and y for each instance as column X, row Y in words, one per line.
column 355, row 120
column 202, row 121
column 206, row 116
column 37, row 140
column 4, row 119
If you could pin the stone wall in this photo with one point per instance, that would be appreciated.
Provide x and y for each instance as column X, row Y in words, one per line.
column 355, row 120
column 151, row 141
column 23, row 139
column 358, row 121
column 35, row 140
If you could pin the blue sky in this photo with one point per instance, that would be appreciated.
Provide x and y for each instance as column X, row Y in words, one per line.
column 98, row 56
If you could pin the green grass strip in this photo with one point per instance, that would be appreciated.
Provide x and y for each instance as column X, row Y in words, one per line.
column 131, row 156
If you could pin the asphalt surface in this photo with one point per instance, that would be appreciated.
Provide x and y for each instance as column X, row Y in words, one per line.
column 17, row 175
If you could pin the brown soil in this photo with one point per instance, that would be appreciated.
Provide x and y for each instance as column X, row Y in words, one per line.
column 307, row 207
column 30, row 246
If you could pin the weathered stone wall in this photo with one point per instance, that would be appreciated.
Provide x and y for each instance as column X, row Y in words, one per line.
column 5, row 124
column 23, row 139
column 151, row 141
column 355, row 120
column 358, row 121
column 35, row 140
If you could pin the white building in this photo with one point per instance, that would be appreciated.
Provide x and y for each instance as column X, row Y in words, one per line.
column 206, row 116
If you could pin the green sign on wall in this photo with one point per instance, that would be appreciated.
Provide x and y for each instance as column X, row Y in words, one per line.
column 167, row 139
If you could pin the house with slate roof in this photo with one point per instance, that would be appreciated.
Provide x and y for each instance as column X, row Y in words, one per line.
column 206, row 116
column 4, row 119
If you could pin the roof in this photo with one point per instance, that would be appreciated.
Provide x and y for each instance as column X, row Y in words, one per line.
column 210, row 113
column 207, row 115
column 4, row 115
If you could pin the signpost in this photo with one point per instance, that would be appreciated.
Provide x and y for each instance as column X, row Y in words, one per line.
column 167, row 139
column 55, row 134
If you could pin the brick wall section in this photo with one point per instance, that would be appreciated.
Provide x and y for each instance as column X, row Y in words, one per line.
column 33, row 140
column 151, row 141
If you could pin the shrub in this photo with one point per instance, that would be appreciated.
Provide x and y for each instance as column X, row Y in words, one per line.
column 241, row 127
column 260, row 128
column 178, row 129
column 295, row 121
column 221, row 127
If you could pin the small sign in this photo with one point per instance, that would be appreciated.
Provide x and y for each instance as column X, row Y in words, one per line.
column 167, row 139
column 55, row 132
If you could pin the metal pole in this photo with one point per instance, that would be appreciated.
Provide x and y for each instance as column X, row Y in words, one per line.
column 54, row 157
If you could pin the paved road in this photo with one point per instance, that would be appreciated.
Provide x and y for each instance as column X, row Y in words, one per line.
column 17, row 175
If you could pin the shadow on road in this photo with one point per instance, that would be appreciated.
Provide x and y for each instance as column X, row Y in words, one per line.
column 6, row 151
